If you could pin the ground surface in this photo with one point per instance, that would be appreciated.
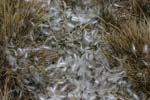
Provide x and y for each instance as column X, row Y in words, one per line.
column 81, row 71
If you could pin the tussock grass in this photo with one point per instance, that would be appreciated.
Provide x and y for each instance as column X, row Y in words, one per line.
column 140, row 8
column 5, row 93
column 107, row 16
column 129, row 45
column 18, row 19
column 130, row 49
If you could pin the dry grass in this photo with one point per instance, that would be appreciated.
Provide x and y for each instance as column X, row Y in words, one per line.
column 129, row 48
column 107, row 14
column 5, row 93
column 140, row 8
column 18, row 18
column 129, row 45
column 129, row 41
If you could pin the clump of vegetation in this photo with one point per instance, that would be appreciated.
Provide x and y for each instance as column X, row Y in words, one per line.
column 129, row 45
column 73, row 3
column 107, row 17
column 140, row 8
column 130, row 49
column 17, row 19
column 107, row 14
column 21, row 77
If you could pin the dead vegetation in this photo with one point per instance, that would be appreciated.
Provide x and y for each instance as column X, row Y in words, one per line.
column 24, row 57
column 129, row 46
column 19, row 20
